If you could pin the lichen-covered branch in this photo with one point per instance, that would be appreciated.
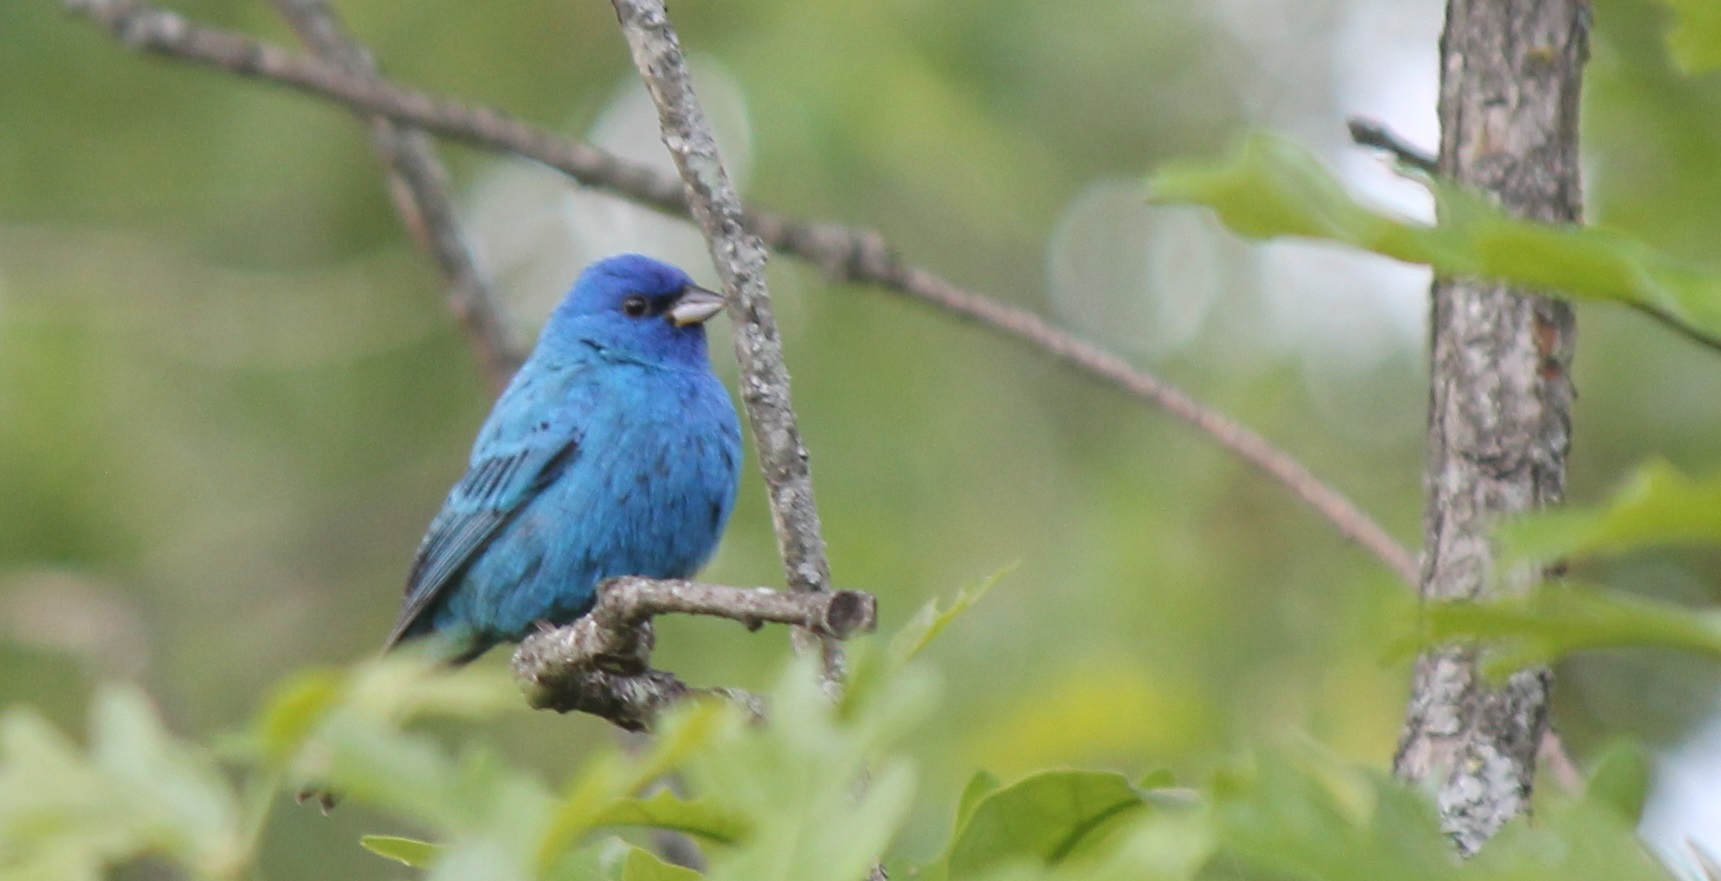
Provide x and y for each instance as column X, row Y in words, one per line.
column 845, row 254
column 1499, row 421
column 601, row 664
column 739, row 257
column 419, row 187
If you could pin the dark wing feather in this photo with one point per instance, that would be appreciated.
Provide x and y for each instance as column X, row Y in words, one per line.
column 477, row 509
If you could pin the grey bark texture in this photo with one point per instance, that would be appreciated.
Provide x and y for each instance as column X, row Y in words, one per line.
column 1499, row 419
column 739, row 257
column 601, row 663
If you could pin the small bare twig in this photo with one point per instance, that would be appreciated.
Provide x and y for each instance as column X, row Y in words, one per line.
column 1372, row 133
column 739, row 257
column 601, row 664
column 1553, row 755
column 844, row 254
column 419, row 187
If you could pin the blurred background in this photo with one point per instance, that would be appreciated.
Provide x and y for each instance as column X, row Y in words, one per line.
column 231, row 397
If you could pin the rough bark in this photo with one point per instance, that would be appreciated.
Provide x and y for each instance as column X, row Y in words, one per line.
column 1499, row 420
column 601, row 664
column 739, row 257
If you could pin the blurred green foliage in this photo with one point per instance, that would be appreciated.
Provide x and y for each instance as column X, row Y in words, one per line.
column 778, row 800
column 1657, row 505
column 1271, row 188
column 230, row 399
column 1696, row 42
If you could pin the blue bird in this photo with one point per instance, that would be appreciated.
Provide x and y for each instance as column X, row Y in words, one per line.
column 614, row 451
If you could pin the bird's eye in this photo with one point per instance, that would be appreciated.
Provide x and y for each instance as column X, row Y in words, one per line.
column 636, row 306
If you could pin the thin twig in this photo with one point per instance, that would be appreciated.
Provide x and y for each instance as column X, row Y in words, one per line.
column 418, row 185
column 601, row 664
column 1372, row 133
column 1554, row 756
column 844, row 254
column 739, row 257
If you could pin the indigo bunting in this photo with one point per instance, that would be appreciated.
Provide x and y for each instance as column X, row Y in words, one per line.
column 614, row 451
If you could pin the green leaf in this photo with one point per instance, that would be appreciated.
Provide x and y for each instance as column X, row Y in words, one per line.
column 930, row 621
column 1166, row 846
column 174, row 788
column 404, row 685
column 1043, row 819
column 1271, row 187
column 684, row 732
column 663, row 810
column 795, row 778
column 293, row 710
column 1160, row 778
column 1556, row 620
column 1581, row 840
column 642, row 865
column 57, row 814
column 378, row 765
column 1314, row 817
column 687, row 729
column 1695, row 41
column 407, row 851
column 595, row 861
column 1659, row 505
column 1621, row 780
column 137, row 791
column 982, row 784
column 612, row 859
column 346, row 731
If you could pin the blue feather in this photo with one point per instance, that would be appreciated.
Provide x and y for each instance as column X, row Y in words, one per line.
column 614, row 451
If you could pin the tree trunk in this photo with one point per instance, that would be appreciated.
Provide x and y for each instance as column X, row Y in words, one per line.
column 1499, row 416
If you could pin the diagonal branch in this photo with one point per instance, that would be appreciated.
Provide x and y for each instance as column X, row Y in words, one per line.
column 418, row 186
column 739, row 257
column 844, row 254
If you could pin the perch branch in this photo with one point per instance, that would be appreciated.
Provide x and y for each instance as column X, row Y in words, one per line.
column 601, row 664
column 843, row 253
column 418, row 186
column 739, row 257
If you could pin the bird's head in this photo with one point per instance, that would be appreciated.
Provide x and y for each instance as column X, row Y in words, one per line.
column 636, row 308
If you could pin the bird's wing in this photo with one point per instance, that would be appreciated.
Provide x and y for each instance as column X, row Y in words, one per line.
column 494, row 489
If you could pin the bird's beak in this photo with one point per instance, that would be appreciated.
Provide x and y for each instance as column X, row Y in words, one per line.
column 695, row 306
